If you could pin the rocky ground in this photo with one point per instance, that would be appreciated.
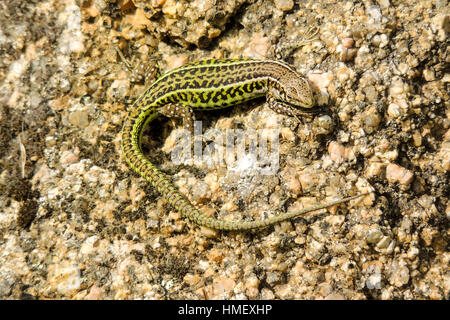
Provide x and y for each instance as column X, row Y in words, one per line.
column 76, row 223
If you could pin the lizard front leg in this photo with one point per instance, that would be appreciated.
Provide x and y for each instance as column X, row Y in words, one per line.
column 281, row 108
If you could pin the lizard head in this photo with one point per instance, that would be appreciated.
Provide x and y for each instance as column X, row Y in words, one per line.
column 293, row 94
column 298, row 92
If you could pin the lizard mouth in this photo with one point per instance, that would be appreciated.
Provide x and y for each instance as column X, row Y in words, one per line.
column 299, row 110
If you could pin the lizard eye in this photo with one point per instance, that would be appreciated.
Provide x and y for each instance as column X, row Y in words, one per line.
column 291, row 92
column 292, row 95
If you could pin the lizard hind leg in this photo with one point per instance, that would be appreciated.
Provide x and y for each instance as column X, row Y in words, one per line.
column 179, row 111
column 146, row 72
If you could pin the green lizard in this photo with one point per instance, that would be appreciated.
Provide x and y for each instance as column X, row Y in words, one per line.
column 207, row 85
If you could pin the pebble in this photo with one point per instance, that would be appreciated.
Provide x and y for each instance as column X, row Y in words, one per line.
column 384, row 243
column 398, row 273
column 412, row 253
column 375, row 169
column 338, row 153
column 65, row 278
column 345, row 50
column 334, row 296
column 175, row 61
column 374, row 236
column 315, row 250
column 442, row 159
column 215, row 255
column 69, row 157
column 287, row 134
column 291, row 181
column 118, row 89
column 274, row 278
column 79, row 117
column 347, row 42
column 396, row 173
column 374, row 281
column 284, row 5
column 258, row 47
column 71, row 39
column 323, row 125
column 222, row 286
column 95, row 293
column 200, row 192
column 267, row 294
column 192, row 279
column 209, row 233
column 398, row 88
column 429, row 75
column 252, row 286
column 372, row 120
column 394, row 111
column 5, row 286
column 307, row 181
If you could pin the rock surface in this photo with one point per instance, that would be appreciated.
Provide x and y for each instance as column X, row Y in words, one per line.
column 76, row 223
